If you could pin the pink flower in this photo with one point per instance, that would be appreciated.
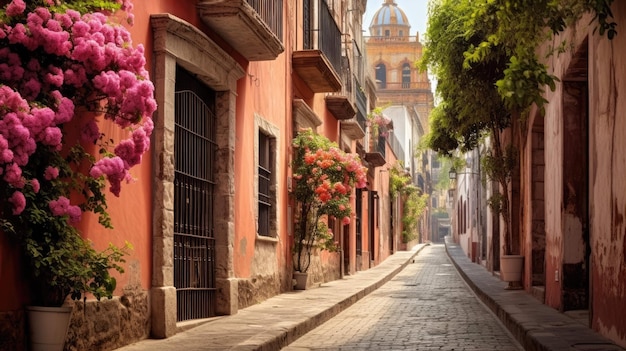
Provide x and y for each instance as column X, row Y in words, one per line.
column 113, row 169
column 19, row 202
column 52, row 136
column 12, row 174
column 62, row 207
column 59, row 206
column 34, row 183
column 345, row 220
column 16, row 8
column 90, row 132
column 51, row 173
column 65, row 111
column 75, row 213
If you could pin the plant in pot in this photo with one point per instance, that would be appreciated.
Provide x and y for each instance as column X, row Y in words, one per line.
column 66, row 69
column 324, row 177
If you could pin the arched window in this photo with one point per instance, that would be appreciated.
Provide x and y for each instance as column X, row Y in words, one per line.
column 406, row 75
column 381, row 75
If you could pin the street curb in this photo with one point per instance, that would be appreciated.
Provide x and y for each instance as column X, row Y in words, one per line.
column 293, row 332
column 536, row 326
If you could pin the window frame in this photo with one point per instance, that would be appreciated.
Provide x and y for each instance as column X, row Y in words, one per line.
column 271, row 133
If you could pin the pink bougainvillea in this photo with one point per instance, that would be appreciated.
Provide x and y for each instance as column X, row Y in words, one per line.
column 54, row 63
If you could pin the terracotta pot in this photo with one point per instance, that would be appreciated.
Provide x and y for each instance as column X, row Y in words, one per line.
column 47, row 327
column 301, row 279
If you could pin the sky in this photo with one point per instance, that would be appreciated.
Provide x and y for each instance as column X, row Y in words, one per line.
column 415, row 10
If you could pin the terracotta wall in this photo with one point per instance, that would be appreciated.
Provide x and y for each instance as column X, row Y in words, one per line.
column 608, row 187
column 585, row 200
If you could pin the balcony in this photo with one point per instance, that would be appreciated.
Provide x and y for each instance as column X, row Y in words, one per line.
column 355, row 127
column 319, row 62
column 304, row 117
column 340, row 106
column 252, row 27
column 376, row 156
column 340, row 103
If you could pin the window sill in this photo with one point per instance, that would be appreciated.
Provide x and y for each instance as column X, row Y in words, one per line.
column 266, row 239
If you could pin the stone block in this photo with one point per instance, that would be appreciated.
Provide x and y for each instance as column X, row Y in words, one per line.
column 163, row 311
column 227, row 296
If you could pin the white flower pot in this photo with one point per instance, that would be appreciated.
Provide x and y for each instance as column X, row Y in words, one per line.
column 511, row 268
column 47, row 327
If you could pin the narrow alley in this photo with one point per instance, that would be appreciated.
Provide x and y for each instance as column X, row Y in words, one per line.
column 427, row 306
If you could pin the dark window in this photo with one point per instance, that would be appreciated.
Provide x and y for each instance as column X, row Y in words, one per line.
column 265, row 185
column 406, row 76
column 381, row 75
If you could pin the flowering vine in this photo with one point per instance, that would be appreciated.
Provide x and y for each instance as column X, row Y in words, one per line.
column 378, row 123
column 65, row 65
column 324, row 177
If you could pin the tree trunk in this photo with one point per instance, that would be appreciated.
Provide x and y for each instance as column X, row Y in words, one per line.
column 502, row 180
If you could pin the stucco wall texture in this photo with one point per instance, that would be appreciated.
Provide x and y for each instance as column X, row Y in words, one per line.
column 584, row 190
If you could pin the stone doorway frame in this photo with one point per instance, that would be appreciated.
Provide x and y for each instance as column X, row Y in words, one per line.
column 177, row 42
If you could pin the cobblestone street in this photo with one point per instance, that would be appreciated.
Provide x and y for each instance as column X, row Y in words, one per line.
column 427, row 306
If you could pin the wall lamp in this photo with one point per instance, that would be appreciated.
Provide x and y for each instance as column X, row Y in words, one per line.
column 452, row 174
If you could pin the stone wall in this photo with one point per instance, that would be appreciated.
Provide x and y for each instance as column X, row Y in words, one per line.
column 109, row 324
column 257, row 289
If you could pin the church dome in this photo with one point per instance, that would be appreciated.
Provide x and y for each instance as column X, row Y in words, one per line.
column 390, row 20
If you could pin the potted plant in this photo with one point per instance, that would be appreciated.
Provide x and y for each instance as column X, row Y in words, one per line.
column 65, row 69
column 324, row 177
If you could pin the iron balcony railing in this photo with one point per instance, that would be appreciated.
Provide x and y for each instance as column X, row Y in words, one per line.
column 345, row 74
column 361, row 105
column 361, row 98
column 271, row 12
column 321, row 31
column 380, row 145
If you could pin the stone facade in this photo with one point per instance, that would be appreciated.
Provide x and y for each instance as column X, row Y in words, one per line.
column 109, row 324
